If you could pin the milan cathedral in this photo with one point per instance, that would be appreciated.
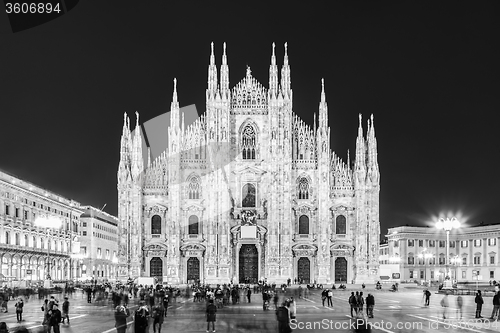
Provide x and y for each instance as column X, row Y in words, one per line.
column 249, row 192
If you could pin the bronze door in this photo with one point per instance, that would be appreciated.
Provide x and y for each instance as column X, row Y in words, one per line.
column 304, row 270
column 341, row 270
column 156, row 267
column 193, row 270
column 249, row 264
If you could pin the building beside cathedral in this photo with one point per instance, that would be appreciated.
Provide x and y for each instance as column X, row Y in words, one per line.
column 249, row 191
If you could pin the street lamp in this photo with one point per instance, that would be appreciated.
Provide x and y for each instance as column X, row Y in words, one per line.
column 447, row 225
column 425, row 255
column 49, row 222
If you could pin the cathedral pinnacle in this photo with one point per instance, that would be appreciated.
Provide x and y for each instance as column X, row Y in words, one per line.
column 249, row 71
column 174, row 96
column 323, row 98
column 286, row 55
column 137, row 120
column 212, row 56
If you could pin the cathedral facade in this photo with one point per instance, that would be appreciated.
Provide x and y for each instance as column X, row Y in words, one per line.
column 249, row 192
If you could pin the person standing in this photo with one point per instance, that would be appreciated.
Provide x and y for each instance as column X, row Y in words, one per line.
column 211, row 315
column 370, row 303
column 55, row 318
column 329, row 296
column 65, row 310
column 496, row 306
column 249, row 293
column 459, row 306
column 445, row 304
column 360, row 302
column 324, row 295
column 352, row 303
column 427, row 295
column 89, row 294
column 19, row 309
column 479, row 304
column 121, row 314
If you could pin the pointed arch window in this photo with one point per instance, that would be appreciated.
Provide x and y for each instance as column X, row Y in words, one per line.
column 194, row 188
column 194, row 225
column 248, row 195
column 304, row 225
column 303, row 188
column 7, row 237
column 156, row 225
column 340, row 225
column 18, row 239
column 248, row 143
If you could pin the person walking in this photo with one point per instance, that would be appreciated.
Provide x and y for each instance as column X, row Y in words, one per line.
column 283, row 316
column 65, row 310
column 19, row 309
column 121, row 315
column 89, row 294
column 496, row 306
column 292, row 306
column 445, row 304
column 370, row 303
column 459, row 306
column 352, row 303
column 211, row 315
column 157, row 313
column 479, row 303
column 165, row 304
column 55, row 318
column 141, row 318
column 329, row 296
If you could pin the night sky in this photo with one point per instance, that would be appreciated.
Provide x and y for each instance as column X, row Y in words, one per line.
column 429, row 72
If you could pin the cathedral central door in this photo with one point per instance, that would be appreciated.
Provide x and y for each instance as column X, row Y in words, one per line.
column 156, row 267
column 341, row 269
column 304, row 270
column 249, row 264
column 193, row 270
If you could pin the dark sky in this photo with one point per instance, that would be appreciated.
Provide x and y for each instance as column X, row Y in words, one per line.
column 429, row 72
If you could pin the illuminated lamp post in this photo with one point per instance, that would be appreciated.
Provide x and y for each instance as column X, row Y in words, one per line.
column 425, row 256
column 48, row 222
column 447, row 225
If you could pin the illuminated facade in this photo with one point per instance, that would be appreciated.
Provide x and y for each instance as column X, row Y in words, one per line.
column 474, row 252
column 249, row 191
column 23, row 245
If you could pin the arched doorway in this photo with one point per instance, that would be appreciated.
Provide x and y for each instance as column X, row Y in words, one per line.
column 193, row 270
column 341, row 269
column 304, row 270
column 249, row 263
column 156, row 267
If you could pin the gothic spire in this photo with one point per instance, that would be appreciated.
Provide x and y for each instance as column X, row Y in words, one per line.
column 360, row 148
column 285, row 75
column 174, row 107
column 224, row 75
column 372, row 152
column 212, row 74
column 137, row 159
column 273, row 76
column 323, row 109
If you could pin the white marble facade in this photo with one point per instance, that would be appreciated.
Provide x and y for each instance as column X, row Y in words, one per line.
column 249, row 160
